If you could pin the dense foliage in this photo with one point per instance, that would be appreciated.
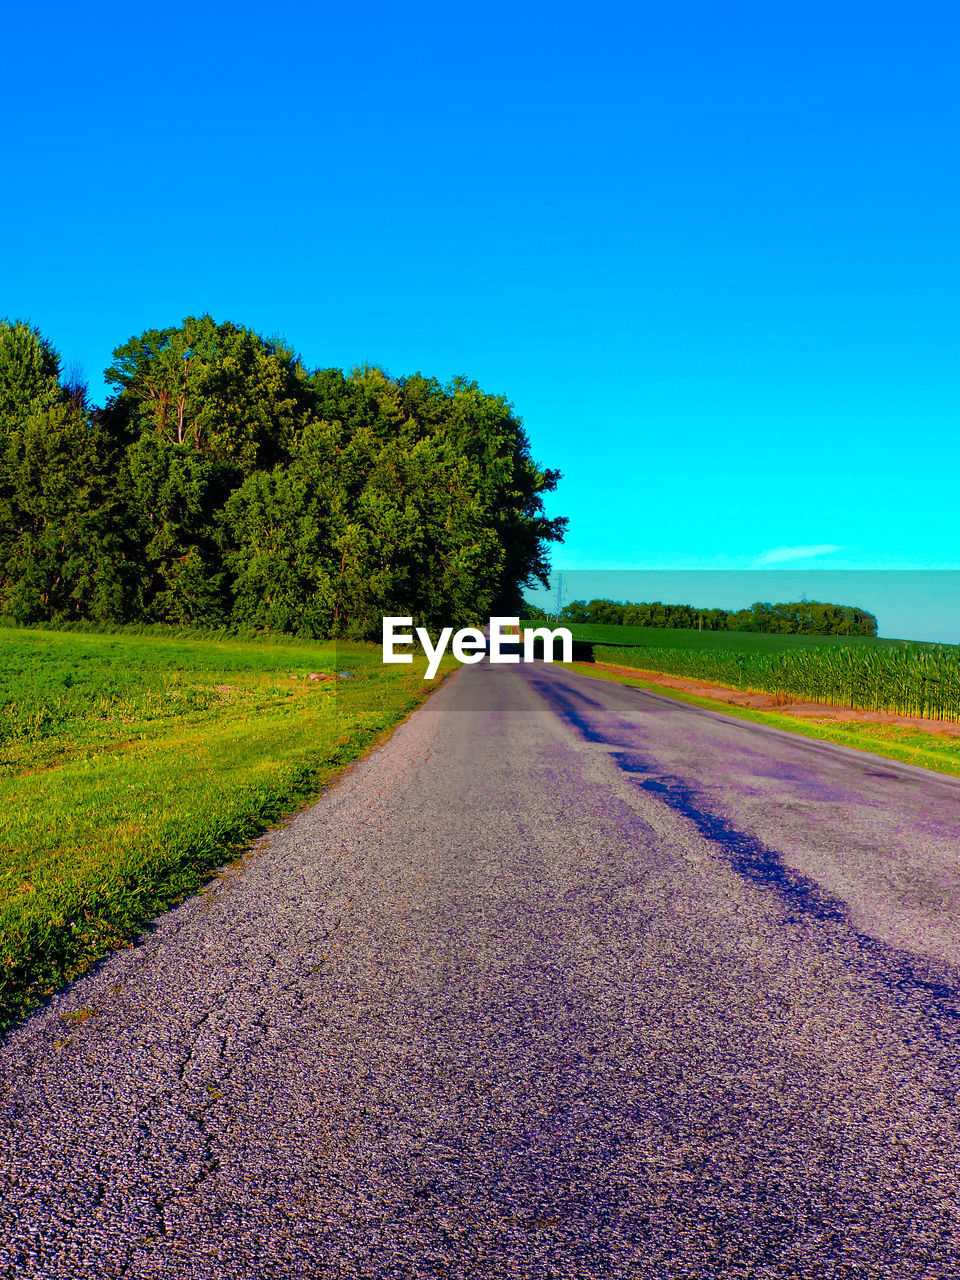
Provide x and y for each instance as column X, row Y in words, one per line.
column 806, row 617
column 224, row 483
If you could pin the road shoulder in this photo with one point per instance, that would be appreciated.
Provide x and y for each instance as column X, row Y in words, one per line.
column 906, row 743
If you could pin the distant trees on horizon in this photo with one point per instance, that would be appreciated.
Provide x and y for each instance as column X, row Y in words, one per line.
column 804, row 617
column 223, row 483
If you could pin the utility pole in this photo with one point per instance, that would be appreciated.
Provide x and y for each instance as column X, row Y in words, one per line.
column 559, row 601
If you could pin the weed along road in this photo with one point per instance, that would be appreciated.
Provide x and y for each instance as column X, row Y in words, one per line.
column 565, row 980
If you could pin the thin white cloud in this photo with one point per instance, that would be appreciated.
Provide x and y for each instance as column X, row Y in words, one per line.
column 780, row 555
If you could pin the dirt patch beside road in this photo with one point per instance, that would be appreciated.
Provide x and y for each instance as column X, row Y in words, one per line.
column 780, row 701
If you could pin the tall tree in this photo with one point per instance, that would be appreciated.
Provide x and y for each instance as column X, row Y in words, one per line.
column 224, row 482
column 217, row 388
column 29, row 374
column 63, row 554
column 171, row 494
column 485, row 429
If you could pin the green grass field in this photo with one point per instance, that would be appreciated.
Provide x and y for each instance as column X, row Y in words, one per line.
column 903, row 677
column 132, row 766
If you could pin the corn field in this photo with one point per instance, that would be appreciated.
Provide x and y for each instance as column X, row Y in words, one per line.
column 912, row 681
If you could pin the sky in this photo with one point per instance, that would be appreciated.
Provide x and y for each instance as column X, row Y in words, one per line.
column 710, row 252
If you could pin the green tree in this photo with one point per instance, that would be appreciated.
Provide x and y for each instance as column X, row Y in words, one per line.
column 217, row 388
column 62, row 552
column 485, row 430
column 29, row 375
column 171, row 493
column 224, row 482
column 276, row 533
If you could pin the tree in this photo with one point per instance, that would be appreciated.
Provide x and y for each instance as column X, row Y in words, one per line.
column 217, row 388
column 485, row 429
column 277, row 540
column 222, row 482
column 62, row 552
column 29, row 375
column 171, row 493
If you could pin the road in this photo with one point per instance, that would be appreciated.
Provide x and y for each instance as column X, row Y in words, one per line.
column 565, row 980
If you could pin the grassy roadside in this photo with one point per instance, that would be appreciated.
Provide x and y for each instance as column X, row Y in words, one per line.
column 131, row 767
column 911, row 746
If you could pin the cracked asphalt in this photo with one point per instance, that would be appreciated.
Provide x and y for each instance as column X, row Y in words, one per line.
column 565, row 980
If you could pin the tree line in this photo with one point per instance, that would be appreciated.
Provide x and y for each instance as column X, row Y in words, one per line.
column 804, row 617
column 223, row 483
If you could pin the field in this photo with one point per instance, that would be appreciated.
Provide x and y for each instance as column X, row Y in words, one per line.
column 738, row 641
column 871, row 675
column 132, row 766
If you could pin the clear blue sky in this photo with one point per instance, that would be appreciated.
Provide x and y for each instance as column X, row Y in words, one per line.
column 710, row 251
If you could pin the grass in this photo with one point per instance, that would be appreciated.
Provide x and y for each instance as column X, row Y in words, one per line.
column 132, row 766
column 939, row 752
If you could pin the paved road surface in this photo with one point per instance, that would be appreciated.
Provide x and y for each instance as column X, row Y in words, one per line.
column 567, row 980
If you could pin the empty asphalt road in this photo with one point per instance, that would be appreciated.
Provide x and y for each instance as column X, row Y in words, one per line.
column 565, row 980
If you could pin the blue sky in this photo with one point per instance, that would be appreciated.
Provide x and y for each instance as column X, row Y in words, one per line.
column 711, row 252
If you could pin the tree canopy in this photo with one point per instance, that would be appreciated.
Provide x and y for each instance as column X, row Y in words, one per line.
column 29, row 375
column 804, row 617
column 225, row 483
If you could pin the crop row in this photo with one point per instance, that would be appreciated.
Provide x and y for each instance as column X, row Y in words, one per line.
column 908, row 681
